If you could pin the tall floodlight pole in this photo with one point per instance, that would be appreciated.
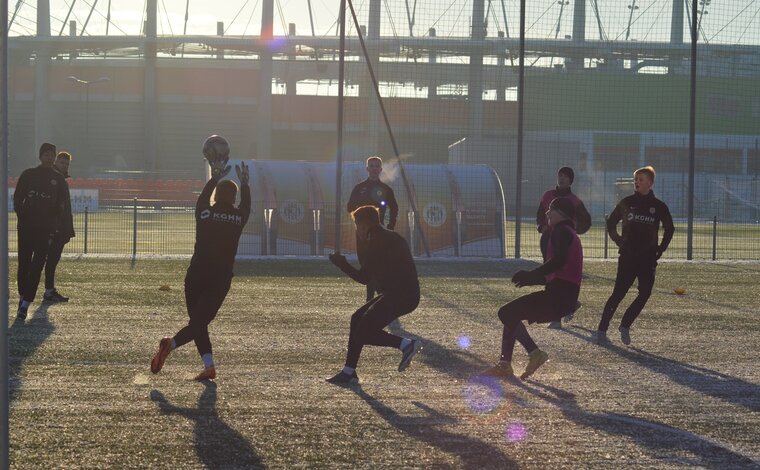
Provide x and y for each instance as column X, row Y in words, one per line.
column 339, row 153
column 692, row 130
column 4, row 370
column 87, row 84
column 520, row 125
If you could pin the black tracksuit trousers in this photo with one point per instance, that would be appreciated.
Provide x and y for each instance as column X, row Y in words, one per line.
column 368, row 322
column 53, row 257
column 33, row 248
column 630, row 268
column 537, row 307
column 203, row 300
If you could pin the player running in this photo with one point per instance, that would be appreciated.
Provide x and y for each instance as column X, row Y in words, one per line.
column 641, row 215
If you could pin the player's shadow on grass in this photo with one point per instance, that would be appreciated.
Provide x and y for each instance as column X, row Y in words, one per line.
column 455, row 363
column 472, row 452
column 663, row 439
column 24, row 338
column 217, row 444
column 700, row 379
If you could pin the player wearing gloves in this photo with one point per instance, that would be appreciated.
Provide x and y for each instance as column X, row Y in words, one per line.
column 218, row 228
column 641, row 215
column 389, row 262
column 565, row 177
column 561, row 273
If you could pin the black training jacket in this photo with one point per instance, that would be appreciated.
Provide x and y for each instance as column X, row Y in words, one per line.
column 641, row 217
column 39, row 198
column 374, row 193
column 388, row 262
column 66, row 220
column 217, row 232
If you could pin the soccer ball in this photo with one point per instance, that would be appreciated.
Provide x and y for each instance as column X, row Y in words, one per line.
column 216, row 148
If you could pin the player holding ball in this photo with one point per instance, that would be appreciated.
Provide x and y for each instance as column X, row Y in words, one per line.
column 218, row 228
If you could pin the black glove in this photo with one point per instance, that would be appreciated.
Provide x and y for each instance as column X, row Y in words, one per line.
column 337, row 259
column 219, row 168
column 528, row 278
column 658, row 253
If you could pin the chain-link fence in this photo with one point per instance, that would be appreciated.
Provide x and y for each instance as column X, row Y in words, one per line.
column 477, row 111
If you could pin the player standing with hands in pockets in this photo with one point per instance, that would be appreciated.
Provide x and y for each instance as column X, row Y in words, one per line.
column 218, row 228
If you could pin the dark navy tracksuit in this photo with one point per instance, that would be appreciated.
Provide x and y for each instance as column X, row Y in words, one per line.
column 62, row 236
column 209, row 276
column 373, row 193
column 562, row 272
column 388, row 262
column 38, row 202
column 641, row 217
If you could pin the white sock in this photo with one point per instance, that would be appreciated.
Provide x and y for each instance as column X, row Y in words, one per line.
column 348, row 370
column 208, row 360
column 49, row 291
column 404, row 343
column 25, row 303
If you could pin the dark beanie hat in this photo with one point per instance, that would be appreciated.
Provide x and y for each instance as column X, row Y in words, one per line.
column 567, row 171
column 564, row 206
column 45, row 147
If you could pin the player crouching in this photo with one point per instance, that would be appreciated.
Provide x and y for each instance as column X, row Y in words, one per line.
column 561, row 274
column 218, row 228
column 389, row 263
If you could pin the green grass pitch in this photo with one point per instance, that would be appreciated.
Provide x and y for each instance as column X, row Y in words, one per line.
column 685, row 394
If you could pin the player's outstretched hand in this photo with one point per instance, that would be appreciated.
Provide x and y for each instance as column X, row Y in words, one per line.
column 337, row 259
column 242, row 173
column 219, row 168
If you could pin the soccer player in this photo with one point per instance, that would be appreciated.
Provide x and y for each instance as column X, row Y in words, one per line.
column 565, row 177
column 373, row 192
column 218, row 228
column 561, row 273
column 388, row 261
column 62, row 236
column 641, row 215
column 38, row 202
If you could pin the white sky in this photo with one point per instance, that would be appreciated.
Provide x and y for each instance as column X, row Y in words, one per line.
column 726, row 21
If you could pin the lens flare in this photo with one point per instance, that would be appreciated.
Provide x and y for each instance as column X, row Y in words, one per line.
column 483, row 394
column 464, row 342
column 516, row 432
column 382, row 203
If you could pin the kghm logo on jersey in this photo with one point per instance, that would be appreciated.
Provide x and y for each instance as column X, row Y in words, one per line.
column 225, row 217
column 646, row 219
column 205, row 214
column 651, row 210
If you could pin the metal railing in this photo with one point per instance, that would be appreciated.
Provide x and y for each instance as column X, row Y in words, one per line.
column 145, row 230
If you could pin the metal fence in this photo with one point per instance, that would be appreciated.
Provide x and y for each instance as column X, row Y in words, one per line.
column 142, row 230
